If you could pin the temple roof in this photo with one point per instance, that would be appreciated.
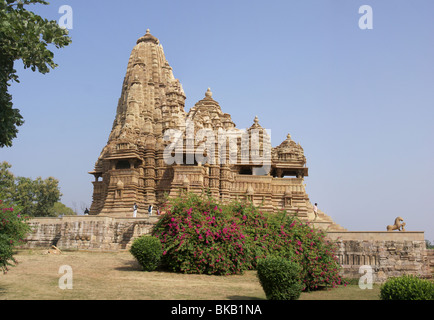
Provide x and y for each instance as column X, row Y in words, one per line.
column 207, row 113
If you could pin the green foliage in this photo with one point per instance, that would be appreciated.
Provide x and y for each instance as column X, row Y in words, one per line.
column 13, row 229
column 407, row 287
column 35, row 197
column 23, row 36
column 148, row 252
column 280, row 278
column 7, row 182
column 60, row 209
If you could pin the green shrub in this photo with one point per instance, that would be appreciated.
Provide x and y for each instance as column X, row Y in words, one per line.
column 407, row 288
column 148, row 252
column 280, row 278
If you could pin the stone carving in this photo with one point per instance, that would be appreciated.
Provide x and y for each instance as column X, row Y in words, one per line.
column 399, row 225
column 150, row 107
column 53, row 250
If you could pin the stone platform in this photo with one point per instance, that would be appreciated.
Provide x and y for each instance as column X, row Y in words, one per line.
column 387, row 253
column 88, row 232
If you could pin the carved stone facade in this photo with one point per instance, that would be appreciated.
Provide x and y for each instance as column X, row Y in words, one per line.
column 142, row 164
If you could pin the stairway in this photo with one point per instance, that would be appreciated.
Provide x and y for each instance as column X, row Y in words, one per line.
column 325, row 222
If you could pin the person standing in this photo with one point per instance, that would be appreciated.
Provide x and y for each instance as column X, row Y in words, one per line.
column 135, row 210
column 150, row 210
column 315, row 210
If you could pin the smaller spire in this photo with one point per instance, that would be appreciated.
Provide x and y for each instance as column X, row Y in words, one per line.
column 148, row 37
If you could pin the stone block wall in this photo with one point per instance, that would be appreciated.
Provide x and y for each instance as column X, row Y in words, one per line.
column 87, row 232
column 388, row 254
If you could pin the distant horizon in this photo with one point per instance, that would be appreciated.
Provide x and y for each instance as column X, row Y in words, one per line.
column 359, row 101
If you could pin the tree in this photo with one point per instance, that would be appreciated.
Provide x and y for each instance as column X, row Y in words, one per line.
column 35, row 197
column 13, row 230
column 60, row 209
column 23, row 36
column 7, row 182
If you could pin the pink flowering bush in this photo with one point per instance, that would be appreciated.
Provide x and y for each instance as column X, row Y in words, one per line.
column 286, row 236
column 302, row 243
column 13, row 229
column 200, row 235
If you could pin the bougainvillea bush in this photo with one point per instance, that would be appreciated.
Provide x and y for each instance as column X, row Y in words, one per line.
column 310, row 248
column 13, row 229
column 280, row 234
column 200, row 235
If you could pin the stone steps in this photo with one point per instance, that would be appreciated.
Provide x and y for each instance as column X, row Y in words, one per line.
column 325, row 222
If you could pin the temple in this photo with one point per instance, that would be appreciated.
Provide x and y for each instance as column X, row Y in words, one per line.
column 156, row 150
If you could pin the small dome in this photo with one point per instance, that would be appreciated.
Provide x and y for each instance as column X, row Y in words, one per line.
column 208, row 93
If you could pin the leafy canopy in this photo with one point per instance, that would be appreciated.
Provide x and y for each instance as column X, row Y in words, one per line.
column 35, row 197
column 24, row 36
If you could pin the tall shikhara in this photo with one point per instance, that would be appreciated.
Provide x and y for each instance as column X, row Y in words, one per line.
column 142, row 162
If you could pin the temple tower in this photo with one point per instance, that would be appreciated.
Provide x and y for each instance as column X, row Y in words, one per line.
column 156, row 150
column 151, row 101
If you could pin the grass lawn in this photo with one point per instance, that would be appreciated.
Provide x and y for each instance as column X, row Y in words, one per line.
column 117, row 276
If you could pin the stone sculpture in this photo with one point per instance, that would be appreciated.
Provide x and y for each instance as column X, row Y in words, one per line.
column 399, row 225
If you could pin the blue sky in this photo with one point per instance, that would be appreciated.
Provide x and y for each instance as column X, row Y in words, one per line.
column 360, row 102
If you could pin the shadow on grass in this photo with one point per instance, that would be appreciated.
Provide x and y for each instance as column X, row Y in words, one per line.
column 243, row 298
column 132, row 265
column 3, row 291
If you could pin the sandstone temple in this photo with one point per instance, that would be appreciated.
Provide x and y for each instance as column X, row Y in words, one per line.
column 156, row 150
column 142, row 164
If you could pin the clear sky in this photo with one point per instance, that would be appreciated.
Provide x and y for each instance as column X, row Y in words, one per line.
column 359, row 101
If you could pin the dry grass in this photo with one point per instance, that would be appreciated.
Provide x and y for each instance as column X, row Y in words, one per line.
column 117, row 276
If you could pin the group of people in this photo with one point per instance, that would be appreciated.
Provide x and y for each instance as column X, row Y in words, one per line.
column 150, row 208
